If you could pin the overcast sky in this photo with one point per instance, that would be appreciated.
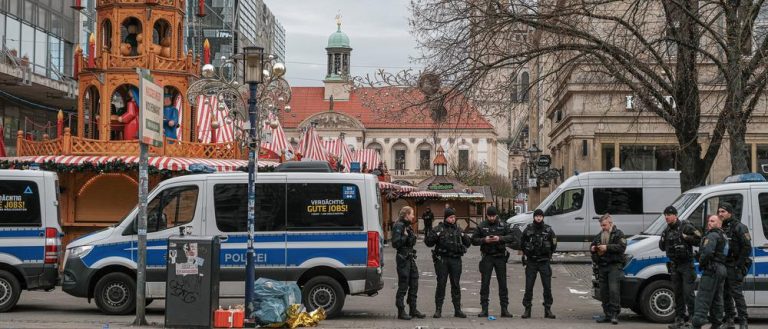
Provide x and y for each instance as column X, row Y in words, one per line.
column 377, row 29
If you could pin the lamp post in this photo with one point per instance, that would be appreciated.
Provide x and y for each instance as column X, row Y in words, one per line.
column 267, row 92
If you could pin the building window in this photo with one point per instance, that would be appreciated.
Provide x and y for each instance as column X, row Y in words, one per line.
column 524, row 86
column 425, row 157
column 648, row 157
column 399, row 160
column 463, row 159
column 608, row 157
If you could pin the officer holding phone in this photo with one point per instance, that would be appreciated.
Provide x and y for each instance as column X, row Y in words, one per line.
column 493, row 235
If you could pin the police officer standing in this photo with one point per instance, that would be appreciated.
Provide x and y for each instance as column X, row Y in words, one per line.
column 450, row 244
column 608, row 253
column 712, row 263
column 403, row 239
column 678, row 240
column 492, row 235
column 538, row 244
column 428, row 218
column 738, row 262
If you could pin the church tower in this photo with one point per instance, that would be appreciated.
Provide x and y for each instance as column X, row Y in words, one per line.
column 339, row 56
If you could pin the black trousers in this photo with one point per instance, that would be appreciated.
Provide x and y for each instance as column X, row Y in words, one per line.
column 445, row 268
column 533, row 269
column 427, row 227
column 710, row 298
column 733, row 293
column 683, row 282
column 610, row 283
column 407, row 280
column 488, row 264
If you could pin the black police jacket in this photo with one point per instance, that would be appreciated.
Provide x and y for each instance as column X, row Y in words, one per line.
column 403, row 237
column 739, row 243
column 497, row 228
column 428, row 216
column 678, row 240
column 712, row 248
column 448, row 240
column 616, row 245
column 539, row 242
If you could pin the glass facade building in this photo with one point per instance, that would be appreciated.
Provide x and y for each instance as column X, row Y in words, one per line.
column 38, row 37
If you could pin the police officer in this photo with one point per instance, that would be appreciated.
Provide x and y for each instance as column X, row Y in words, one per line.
column 538, row 244
column 450, row 244
column 428, row 218
column 738, row 262
column 608, row 253
column 493, row 235
column 712, row 263
column 403, row 239
column 678, row 240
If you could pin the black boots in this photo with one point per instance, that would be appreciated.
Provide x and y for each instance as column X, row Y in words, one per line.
column 728, row 324
column 484, row 312
column 416, row 314
column 604, row 319
column 457, row 311
column 615, row 318
column 505, row 313
column 438, row 312
column 527, row 313
column 743, row 324
column 678, row 324
column 548, row 313
column 402, row 315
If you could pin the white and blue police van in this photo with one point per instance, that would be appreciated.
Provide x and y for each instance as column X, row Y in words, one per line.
column 646, row 287
column 320, row 230
column 29, row 233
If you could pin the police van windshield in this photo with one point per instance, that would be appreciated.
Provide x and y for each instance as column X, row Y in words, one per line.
column 681, row 204
column 552, row 196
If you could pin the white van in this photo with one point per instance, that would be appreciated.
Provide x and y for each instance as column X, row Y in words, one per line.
column 633, row 198
column 320, row 230
column 29, row 233
column 647, row 289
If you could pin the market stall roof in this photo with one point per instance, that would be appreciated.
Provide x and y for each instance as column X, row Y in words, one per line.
column 158, row 162
column 485, row 190
column 396, row 187
column 442, row 184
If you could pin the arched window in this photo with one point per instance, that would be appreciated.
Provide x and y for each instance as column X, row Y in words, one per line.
column 106, row 35
column 161, row 38
column 131, row 37
column 375, row 146
column 399, row 157
column 513, row 92
column 91, row 105
column 119, row 102
column 524, row 86
column 425, row 156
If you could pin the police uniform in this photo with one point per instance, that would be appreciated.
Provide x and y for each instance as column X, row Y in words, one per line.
column 428, row 218
column 494, row 257
column 610, row 270
column 538, row 243
column 710, row 296
column 738, row 262
column 450, row 244
column 677, row 241
column 403, row 239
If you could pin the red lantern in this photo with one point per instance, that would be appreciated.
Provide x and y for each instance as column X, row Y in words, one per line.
column 200, row 8
column 77, row 5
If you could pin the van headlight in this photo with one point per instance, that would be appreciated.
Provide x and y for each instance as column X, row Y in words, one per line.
column 80, row 252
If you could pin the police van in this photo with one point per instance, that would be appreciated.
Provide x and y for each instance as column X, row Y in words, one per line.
column 320, row 230
column 29, row 233
column 647, row 289
column 633, row 198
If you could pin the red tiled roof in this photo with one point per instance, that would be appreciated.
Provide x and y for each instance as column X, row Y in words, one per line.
column 307, row 101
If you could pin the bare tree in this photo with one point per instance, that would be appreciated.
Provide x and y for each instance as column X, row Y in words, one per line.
column 692, row 50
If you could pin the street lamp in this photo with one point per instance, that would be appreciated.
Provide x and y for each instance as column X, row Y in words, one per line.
column 253, row 66
column 534, row 152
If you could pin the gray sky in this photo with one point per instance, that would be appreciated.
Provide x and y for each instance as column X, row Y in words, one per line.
column 378, row 32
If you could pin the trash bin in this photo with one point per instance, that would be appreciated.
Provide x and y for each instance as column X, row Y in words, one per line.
column 192, row 281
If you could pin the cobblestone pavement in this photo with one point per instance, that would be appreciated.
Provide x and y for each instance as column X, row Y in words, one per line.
column 572, row 276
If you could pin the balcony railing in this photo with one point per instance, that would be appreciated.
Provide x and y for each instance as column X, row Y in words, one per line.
column 73, row 145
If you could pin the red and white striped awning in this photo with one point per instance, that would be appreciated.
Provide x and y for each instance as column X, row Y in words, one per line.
column 311, row 148
column 392, row 186
column 205, row 111
column 159, row 162
column 368, row 156
column 279, row 143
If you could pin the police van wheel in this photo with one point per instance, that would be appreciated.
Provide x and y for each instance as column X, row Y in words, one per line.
column 658, row 301
column 10, row 290
column 325, row 292
column 115, row 294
